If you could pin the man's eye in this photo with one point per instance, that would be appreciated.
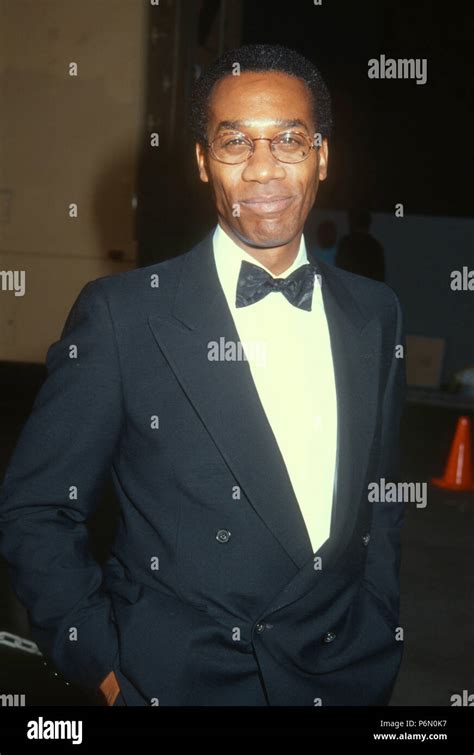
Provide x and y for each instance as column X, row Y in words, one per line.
column 235, row 140
column 290, row 139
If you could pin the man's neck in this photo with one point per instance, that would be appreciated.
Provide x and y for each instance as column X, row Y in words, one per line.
column 277, row 259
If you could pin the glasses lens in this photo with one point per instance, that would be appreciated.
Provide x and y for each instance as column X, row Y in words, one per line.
column 290, row 147
column 231, row 148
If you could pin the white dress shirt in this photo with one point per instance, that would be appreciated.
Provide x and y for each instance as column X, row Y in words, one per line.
column 289, row 355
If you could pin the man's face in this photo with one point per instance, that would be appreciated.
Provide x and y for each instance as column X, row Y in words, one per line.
column 272, row 198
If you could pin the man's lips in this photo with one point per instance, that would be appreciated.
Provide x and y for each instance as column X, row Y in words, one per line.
column 263, row 205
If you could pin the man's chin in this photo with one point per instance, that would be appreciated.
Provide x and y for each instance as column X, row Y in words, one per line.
column 265, row 238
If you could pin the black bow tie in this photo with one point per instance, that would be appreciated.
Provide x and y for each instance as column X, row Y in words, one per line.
column 255, row 283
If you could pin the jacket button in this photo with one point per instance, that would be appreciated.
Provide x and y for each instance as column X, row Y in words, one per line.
column 222, row 536
column 259, row 627
column 366, row 538
column 329, row 637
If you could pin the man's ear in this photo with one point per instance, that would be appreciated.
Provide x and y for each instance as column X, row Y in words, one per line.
column 323, row 156
column 201, row 157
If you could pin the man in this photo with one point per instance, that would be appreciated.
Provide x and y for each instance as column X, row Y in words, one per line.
column 359, row 252
column 326, row 246
column 243, row 400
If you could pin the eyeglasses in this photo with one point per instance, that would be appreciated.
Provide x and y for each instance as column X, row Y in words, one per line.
column 234, row 147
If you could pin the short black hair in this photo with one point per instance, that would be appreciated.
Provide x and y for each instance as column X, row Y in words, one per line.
column 262, row 57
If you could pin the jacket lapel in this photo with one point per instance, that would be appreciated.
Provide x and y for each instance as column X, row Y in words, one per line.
column 224, row 395
column 355, row 346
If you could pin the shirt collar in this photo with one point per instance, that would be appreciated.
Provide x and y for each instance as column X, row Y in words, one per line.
column 228, row 257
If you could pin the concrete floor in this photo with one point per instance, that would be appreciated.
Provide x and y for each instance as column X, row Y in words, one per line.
column 437, row 563
column 437, row 610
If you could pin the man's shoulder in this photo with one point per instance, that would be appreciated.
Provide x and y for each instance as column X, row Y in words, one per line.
column 140, row 285
column 371, row 296
column 150, row 274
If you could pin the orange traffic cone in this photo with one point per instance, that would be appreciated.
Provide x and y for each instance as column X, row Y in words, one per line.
column 458, row 472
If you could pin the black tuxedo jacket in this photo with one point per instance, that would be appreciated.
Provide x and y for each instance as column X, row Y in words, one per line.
column 212, row 594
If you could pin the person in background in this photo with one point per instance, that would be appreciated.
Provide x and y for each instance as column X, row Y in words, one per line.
column 359, row 252
column 326, row 246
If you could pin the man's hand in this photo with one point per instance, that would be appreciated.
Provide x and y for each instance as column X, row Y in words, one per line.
column 110, row 688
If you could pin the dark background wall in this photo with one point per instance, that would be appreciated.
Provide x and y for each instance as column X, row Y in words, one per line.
column 394, row 140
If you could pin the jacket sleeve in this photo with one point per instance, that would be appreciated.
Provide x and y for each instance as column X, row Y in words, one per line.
column 52, row 486
column 383, row 558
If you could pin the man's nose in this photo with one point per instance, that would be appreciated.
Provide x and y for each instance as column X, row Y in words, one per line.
column 262, row 165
